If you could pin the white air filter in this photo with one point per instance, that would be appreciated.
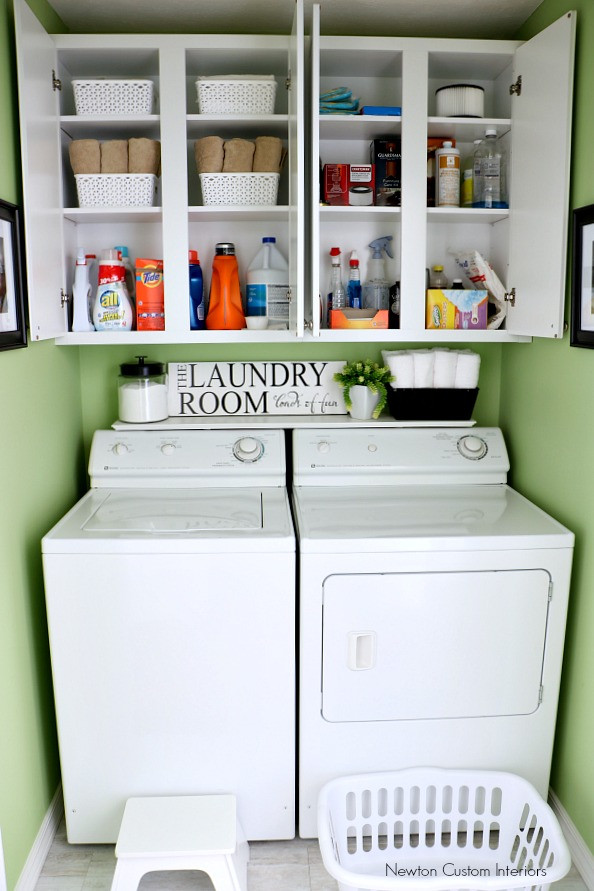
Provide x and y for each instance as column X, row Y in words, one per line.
column 460, row 101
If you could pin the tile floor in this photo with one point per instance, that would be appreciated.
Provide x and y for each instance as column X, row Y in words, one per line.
column 274, row 866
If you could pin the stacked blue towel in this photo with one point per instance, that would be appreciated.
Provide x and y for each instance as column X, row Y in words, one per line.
column 338, row 101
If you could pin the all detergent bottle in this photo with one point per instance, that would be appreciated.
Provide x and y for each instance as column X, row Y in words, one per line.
column 113, row 308
column 225, row 310
column 81, row 291
column 267, row 292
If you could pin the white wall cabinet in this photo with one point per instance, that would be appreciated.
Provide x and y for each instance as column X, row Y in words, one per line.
column 55, row 225
column 526, row 244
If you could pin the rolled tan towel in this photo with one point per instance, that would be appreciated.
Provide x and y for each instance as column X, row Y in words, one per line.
column 268, row 154
column 85, row 155
column 209, row 154
column 114, row 156
column 144, row 156
column 239, row 155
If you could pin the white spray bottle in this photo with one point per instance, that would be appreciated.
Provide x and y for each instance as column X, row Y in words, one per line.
column 376, row 290
column 81, row 291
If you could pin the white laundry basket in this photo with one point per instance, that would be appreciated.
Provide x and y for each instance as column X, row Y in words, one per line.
column 430, row 829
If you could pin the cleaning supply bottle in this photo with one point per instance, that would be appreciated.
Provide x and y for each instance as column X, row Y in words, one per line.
column 337, row 294
column 225, row 309
column 354, row 290
column 376, row 290
column 81, row 291
column 196, row 292
column 438, row 278
column 130, row 271
column 447, row 170
column 113, row 308
column 491, row 173
column 267, row 292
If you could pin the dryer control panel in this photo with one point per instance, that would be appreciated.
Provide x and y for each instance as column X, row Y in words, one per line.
column 390, row 456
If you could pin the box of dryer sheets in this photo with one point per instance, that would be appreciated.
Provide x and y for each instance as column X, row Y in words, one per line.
column 344, row 184
column 358, row 318
column 386, row 156
column 456, row 308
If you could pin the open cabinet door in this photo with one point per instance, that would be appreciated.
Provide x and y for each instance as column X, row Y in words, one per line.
column 42, row 184
column 297, row 174
column 539, row 188
column 315, row 303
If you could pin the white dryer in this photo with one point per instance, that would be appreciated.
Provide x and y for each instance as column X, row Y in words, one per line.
column 170, row 593
column 433, row 601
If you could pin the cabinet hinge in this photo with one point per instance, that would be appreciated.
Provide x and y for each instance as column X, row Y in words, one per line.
column 288, row 81
column 56, row 82
column 64, row 298
column 510, row 296
column 516, row 89
column 289, row 295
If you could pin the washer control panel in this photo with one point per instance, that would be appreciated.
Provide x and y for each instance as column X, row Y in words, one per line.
column 369, row 456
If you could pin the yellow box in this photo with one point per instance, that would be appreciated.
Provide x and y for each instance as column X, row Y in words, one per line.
column 440, row 312
column 458, row 308
column 359, row 318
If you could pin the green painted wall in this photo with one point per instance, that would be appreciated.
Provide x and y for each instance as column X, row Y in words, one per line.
column 41, row 459
column 547, row 413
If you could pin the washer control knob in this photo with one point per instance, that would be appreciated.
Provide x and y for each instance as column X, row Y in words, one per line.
column 120, row 448
column 323, row 446
column 248, row 449
column 372, row 447
column 168, row 448
column 472, row 447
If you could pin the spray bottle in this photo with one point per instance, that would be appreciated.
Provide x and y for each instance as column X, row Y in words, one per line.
column 376, row 290
column 81, row 291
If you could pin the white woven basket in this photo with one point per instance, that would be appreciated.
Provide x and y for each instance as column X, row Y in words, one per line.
column 113, row 96
column 236, row 96
column 116, row 189
column 239, row 189
column 434, row 829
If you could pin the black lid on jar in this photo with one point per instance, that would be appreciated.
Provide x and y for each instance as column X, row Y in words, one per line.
column 142, row 368
column 225, row 247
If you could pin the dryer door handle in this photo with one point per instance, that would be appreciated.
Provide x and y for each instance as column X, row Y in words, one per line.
column 361, row 650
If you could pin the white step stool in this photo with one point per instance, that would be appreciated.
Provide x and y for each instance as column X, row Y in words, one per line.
column 198, row 832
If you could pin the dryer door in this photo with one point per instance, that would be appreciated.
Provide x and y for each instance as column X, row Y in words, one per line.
column 403, row 646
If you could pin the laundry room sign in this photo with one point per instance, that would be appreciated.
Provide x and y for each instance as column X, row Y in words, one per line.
column 198, row 389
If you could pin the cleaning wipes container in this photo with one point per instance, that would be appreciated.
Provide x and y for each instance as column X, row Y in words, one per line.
column 267, row 294
column 142, row 392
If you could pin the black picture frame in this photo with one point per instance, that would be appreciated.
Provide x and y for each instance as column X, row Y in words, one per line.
column 13, row 328
column 582, row 285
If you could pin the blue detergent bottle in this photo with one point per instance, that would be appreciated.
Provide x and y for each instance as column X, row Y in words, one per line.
column 196, row 293
column 354, row 284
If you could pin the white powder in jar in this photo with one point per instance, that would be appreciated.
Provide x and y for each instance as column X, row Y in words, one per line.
column 142, row 401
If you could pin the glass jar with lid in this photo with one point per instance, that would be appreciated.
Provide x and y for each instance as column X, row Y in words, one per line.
column 142, row 392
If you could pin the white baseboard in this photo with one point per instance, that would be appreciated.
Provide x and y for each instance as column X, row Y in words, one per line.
column 582, row 856
column 42, row 844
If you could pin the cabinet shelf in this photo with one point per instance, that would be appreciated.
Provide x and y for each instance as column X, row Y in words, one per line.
column 363, row 126
column 466, row 129
column 113, row 214
column 466, row 214
column 398, row 335
column 246, row 125
column 102, row 338
column 358, row 214
column 112, row 126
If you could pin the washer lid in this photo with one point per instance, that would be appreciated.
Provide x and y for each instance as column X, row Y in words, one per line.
column 174, row 512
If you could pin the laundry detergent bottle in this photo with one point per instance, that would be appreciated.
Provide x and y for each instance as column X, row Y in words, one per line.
column 113, row 308
column 81, row 291
column 225, row 310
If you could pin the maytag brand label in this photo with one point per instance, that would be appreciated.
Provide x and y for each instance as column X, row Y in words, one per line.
column 198, row 389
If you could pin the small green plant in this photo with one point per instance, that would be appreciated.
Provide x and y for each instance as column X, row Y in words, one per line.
column 365, row 374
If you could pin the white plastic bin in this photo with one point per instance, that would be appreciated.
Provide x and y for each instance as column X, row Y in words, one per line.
column 430, row 828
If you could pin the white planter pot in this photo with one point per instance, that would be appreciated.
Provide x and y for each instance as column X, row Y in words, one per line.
column 363, row 403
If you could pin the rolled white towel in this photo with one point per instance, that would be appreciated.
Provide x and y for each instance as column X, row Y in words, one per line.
column 467, row 369
column 400, row 363
column 444, row 368
column 423, row 361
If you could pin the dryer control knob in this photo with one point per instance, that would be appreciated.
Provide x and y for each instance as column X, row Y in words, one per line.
column 472, row 447
column 120, row 448
column 168, row 448
column 248, row 449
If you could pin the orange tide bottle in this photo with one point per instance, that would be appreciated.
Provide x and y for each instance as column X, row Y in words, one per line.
column 225, row 309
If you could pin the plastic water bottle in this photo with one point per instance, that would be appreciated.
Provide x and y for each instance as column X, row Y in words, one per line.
column 267, row 292
column 196, row 293
column 339, row 300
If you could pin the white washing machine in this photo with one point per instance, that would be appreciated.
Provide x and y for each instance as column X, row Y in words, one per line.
column 170, row 593
column 433, row 600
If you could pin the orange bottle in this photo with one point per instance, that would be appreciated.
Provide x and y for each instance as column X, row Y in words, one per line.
column 225, row 310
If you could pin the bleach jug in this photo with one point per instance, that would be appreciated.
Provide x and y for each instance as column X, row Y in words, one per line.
column 225, row 310
column 196, row 293
column 113, row 307
column 267, row 294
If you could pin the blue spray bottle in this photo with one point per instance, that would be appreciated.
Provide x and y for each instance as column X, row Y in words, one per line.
column 376, row 290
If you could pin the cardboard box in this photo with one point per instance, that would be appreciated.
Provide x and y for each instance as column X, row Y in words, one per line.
column 450, row 309
column 335, row 179
column 358, row 318
column 386, row 156
column 361, row 185
column 345, row 184
column 150, row 295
